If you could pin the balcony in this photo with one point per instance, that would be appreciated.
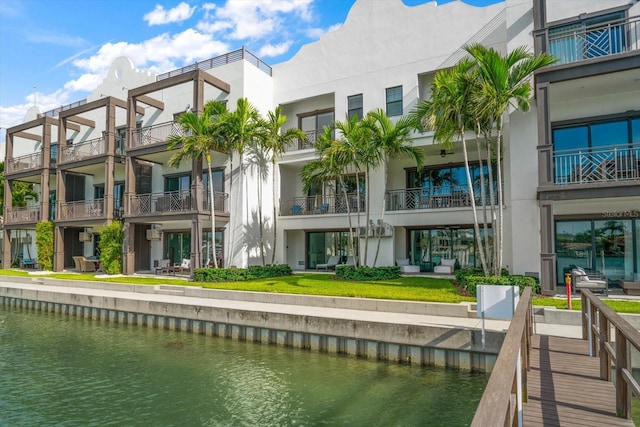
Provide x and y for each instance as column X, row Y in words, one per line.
column 604, row 164
column 82, row 151
column 156, row 135
column 22, row 215
column 161, row 203
column 220, row 202
column 303, row 144
column 82, row 209
column 452, row 196
column 573, row 43
column 321, row 205
column 23, row 163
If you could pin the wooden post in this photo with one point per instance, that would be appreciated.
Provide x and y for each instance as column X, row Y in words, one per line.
column 622, row 393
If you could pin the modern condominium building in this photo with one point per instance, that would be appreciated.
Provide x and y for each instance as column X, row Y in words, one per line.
column 571, row 164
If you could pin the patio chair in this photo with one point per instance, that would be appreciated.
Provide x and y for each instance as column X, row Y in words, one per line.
column 185, row 266
column 351, row 261
column 296, row 210
column 581, row 280
column 447, row 266
column 330, row 264
column 164, row 267
column 322, row 209
column 406, row 267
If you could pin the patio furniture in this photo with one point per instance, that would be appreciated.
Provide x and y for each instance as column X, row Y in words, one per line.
column 330, row 264
column 406, row 267
column 351, row 261
column 296, row 210
column 31, row 264
column 164, row 266
column 83, row 265
column 322, row 209
column 581, row 280
column 184, row 267
column 447, row 266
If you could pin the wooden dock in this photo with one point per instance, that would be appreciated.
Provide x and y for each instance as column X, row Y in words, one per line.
column 565, row 388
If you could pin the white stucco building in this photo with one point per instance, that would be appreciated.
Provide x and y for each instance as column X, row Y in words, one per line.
column 572, row 177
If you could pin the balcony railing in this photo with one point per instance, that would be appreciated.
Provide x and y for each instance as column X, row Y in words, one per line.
column 157, row 134
column 161, row 203
column 605, row 164
column 82, row 151
column 22, row 215
column 22, row 163
column 602, row 39
column 320, row 205
column 302, row 144
column 221, row 202
column 452, row 196
column 218, row 61
column 81, row 209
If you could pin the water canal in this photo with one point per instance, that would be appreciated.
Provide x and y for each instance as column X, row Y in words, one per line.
column 68, row 371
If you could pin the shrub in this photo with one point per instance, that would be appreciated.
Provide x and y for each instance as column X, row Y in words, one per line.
column 367, row 273
column 240, row 274
column 469, row 279
column 111, row 239
column 44, row 243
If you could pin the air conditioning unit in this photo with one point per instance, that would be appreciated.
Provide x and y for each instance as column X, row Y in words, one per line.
column 154, row 234
column 381, row 229
column 85, row 237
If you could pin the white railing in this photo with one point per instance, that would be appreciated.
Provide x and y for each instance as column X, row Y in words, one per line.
column 81, row 209
column 451, row 196
column 157, row 134
column 613, row 163
column 22, row 163
column 82, row 151
column 603, row 39
column 160, row 203
column 22, row 215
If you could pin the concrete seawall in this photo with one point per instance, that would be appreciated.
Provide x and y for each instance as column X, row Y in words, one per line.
column 398, row 331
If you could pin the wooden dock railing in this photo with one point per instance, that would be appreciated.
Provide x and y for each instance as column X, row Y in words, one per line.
column 598, row 320
column 501, row 402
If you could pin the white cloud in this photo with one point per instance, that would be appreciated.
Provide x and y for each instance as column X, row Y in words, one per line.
column 14, row 114
column 159, row 15
column 55, row 38
column 270, row 50
column 253, row 19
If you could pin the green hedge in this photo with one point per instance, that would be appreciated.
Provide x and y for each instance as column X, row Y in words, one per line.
column 469, row 279
column 367, row 273
column 254, row 272
column 44, row 243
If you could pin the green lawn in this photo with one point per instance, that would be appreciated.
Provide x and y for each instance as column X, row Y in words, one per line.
column 405, row 288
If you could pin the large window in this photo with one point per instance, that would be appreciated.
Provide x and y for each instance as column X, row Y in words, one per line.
column 322, row 245
column 447, row 180
column 177, row 246
column 354, row 107
column 394, row 101
column 588, row 38
column 177, row 183
column 313, row 124
column 605, row 246
column 428, row 247
column 595, row 151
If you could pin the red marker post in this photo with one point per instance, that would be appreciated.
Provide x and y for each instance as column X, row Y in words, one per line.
column 567, row 282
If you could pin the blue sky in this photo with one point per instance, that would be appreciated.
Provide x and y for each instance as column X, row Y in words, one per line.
column 53, row 53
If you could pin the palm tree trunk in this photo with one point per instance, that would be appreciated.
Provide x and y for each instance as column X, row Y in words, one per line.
column 476, row 226
column 212, row 203
column 275, row 211
column 384, row 200
column 483, row 196
column 235, row 197
column 350, row 242
column 358, row 219
column 367, row 178
column 500, row 196
column 492, row 201
column 260, row 221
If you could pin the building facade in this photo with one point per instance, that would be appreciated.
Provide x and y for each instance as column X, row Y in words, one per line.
column 571, row 170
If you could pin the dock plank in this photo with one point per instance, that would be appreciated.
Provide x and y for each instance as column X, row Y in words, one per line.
column 565, row 388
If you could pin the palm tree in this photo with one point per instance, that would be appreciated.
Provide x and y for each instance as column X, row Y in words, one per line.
column 201, row 138
column 388, row 140
column 240, row 128
column 504, row 82
column 335, row 157
column 359, row 155
column 447, row 112
column 275, row 143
